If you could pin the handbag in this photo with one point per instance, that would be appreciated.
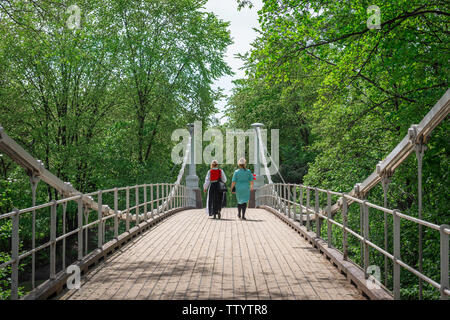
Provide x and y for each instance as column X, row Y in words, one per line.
column 222, row 187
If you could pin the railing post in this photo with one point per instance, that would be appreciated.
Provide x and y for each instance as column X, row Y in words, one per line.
column 15, row 255
column 280, row 201
column 167, row 197
column 329, row 224
column 345, row 224
column 287, row 206
column 157, row 198
column 270, row 199
column 294, row 199
column 163, row 197
column 361, row 232
column 145, row 203
column 316, row 210
column 116, row 213
column 64, row 232
column 288, row 198
column 137, row 211
column 366, row 237
column 175, row 196
column 385, row 181
column 151, row 199
column 53, row 240
column 163, row 192
column 168, row 200
column 127, row 227
column 271, row 196
column 80, row 228
column 34, row 180
column 275, row 196
column 308, row 203
column 396, row 234
column 301, row 204
column 444, row 261
column 172, row 192
column 420, row 150
column 183, row 196
column 100, row 221
column 280, row 188
column 86, row 231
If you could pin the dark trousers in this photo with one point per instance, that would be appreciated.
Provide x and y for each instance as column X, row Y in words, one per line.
column 241, row 208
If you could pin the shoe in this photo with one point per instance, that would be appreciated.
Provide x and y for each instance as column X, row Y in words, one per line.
column 214, row 216
column 243, row 218
column 239, row 215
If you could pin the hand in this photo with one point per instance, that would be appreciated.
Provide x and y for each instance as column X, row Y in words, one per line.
column 204, row 190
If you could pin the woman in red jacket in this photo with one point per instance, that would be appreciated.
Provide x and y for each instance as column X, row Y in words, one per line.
column 215, row 195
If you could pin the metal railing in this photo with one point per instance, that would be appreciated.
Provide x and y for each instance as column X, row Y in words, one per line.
column 157, row 199
column 132, row 204
column 283, row 198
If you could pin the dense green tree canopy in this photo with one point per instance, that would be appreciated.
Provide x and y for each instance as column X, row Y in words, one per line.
column 343, row 96
column 95, row 91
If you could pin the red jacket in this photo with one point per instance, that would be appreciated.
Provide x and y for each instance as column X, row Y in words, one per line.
column 214, row 175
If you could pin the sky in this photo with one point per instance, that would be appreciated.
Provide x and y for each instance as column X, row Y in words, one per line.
column 241, row 28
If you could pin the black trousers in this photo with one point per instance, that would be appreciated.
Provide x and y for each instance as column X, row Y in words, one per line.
column 241, row 209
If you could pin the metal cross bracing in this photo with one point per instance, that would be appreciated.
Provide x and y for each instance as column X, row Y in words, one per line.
column 114, row 216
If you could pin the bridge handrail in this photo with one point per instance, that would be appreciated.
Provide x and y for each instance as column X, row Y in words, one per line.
column 369, row 204
column 415, row 140
column 267, row 197
column 35, row 169
column 417, row 134
column 169, row 201
column 173, row 196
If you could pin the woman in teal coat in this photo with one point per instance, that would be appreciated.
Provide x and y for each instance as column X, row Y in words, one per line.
column 243, row 183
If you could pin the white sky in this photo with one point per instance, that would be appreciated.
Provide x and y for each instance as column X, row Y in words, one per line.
column 241, row 27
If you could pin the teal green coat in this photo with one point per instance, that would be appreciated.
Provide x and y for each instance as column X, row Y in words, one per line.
column 242, row 177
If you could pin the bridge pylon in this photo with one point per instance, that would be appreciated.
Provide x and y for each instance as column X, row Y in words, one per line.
column 259, row 182
column 192, row 179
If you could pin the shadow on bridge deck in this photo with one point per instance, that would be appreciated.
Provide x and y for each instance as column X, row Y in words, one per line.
column 191, row 256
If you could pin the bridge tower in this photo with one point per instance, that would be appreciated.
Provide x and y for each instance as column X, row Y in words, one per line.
column 259, row 182
column 192, row 179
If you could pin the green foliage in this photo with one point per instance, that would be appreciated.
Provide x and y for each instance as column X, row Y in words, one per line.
column 317, row 66
column 98, row 103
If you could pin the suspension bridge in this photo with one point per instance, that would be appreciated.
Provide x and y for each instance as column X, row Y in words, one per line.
column 154, row 241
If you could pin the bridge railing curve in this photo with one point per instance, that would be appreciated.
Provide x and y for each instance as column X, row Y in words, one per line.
column 105, row 219
column 296, row 202
column 288, row 200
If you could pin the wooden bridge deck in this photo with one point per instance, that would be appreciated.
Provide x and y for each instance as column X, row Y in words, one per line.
column 191, row 256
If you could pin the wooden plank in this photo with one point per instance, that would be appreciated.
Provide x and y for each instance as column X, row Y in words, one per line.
column 191, row 256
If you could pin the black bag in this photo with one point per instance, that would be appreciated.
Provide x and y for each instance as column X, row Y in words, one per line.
column 222, row 186
column 233, row 189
